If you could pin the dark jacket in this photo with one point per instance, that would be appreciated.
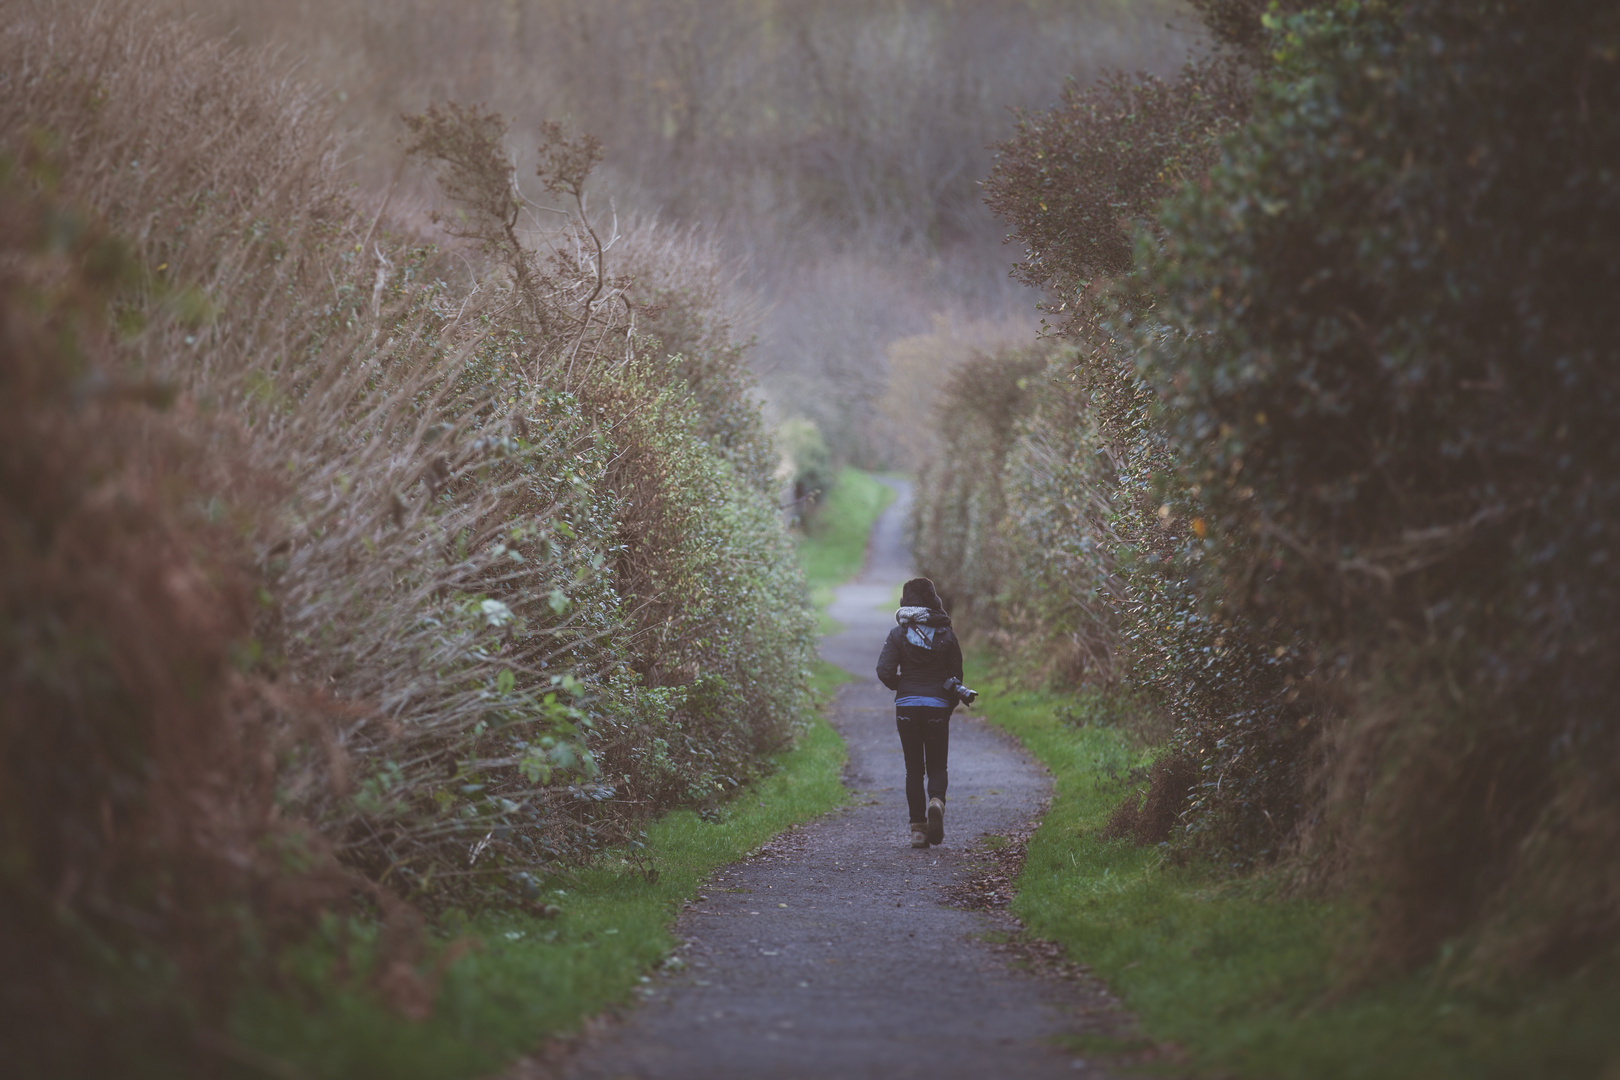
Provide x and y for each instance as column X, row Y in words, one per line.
column 918, row 656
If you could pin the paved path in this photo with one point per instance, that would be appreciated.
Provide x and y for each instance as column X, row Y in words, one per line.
column 834, row 955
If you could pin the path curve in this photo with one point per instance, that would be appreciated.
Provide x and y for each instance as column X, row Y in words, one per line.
column 835, row 955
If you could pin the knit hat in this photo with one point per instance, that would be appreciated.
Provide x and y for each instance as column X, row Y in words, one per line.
column 919, row 592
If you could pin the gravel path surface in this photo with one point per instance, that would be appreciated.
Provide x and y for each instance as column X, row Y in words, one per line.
column 833, row 952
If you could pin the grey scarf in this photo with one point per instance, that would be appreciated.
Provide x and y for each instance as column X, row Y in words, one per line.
column 915, row 620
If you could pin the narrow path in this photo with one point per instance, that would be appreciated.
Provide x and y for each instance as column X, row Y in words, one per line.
column 833, row 953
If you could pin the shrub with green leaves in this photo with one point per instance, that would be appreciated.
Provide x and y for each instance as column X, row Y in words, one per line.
column 1099, row 576
column 1388, row 367
column 1360, row 376
column 810, row 463
column 1079, row 179
column 956, row 523
column 1053, row 530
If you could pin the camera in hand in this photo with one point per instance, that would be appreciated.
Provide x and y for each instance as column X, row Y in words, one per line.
column 963, row 694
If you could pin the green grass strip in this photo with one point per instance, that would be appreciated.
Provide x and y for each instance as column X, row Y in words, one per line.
column 833, row 546
column 532, row 977
column 1242, row 979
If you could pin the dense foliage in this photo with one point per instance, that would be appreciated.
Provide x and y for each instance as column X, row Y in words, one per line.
column 1333, row 476
column 956, row 529
column 1389, row 368
column 808, row 466
column 1101, row 576
column 434, row 574
column 1081, row 177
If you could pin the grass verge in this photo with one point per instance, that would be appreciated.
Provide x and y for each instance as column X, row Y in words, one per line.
column 1241, row 978
column 529, row 977
column 833, row 546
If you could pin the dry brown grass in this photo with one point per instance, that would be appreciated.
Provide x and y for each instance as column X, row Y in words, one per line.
column 1150, row 817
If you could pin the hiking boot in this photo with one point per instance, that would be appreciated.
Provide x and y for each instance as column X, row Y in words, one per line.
column 919, row 834
column 936, row 821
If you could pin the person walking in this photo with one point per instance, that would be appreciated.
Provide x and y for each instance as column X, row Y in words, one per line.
column 918, row 656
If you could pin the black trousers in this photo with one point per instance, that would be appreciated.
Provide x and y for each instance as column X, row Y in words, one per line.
column 925, row 738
